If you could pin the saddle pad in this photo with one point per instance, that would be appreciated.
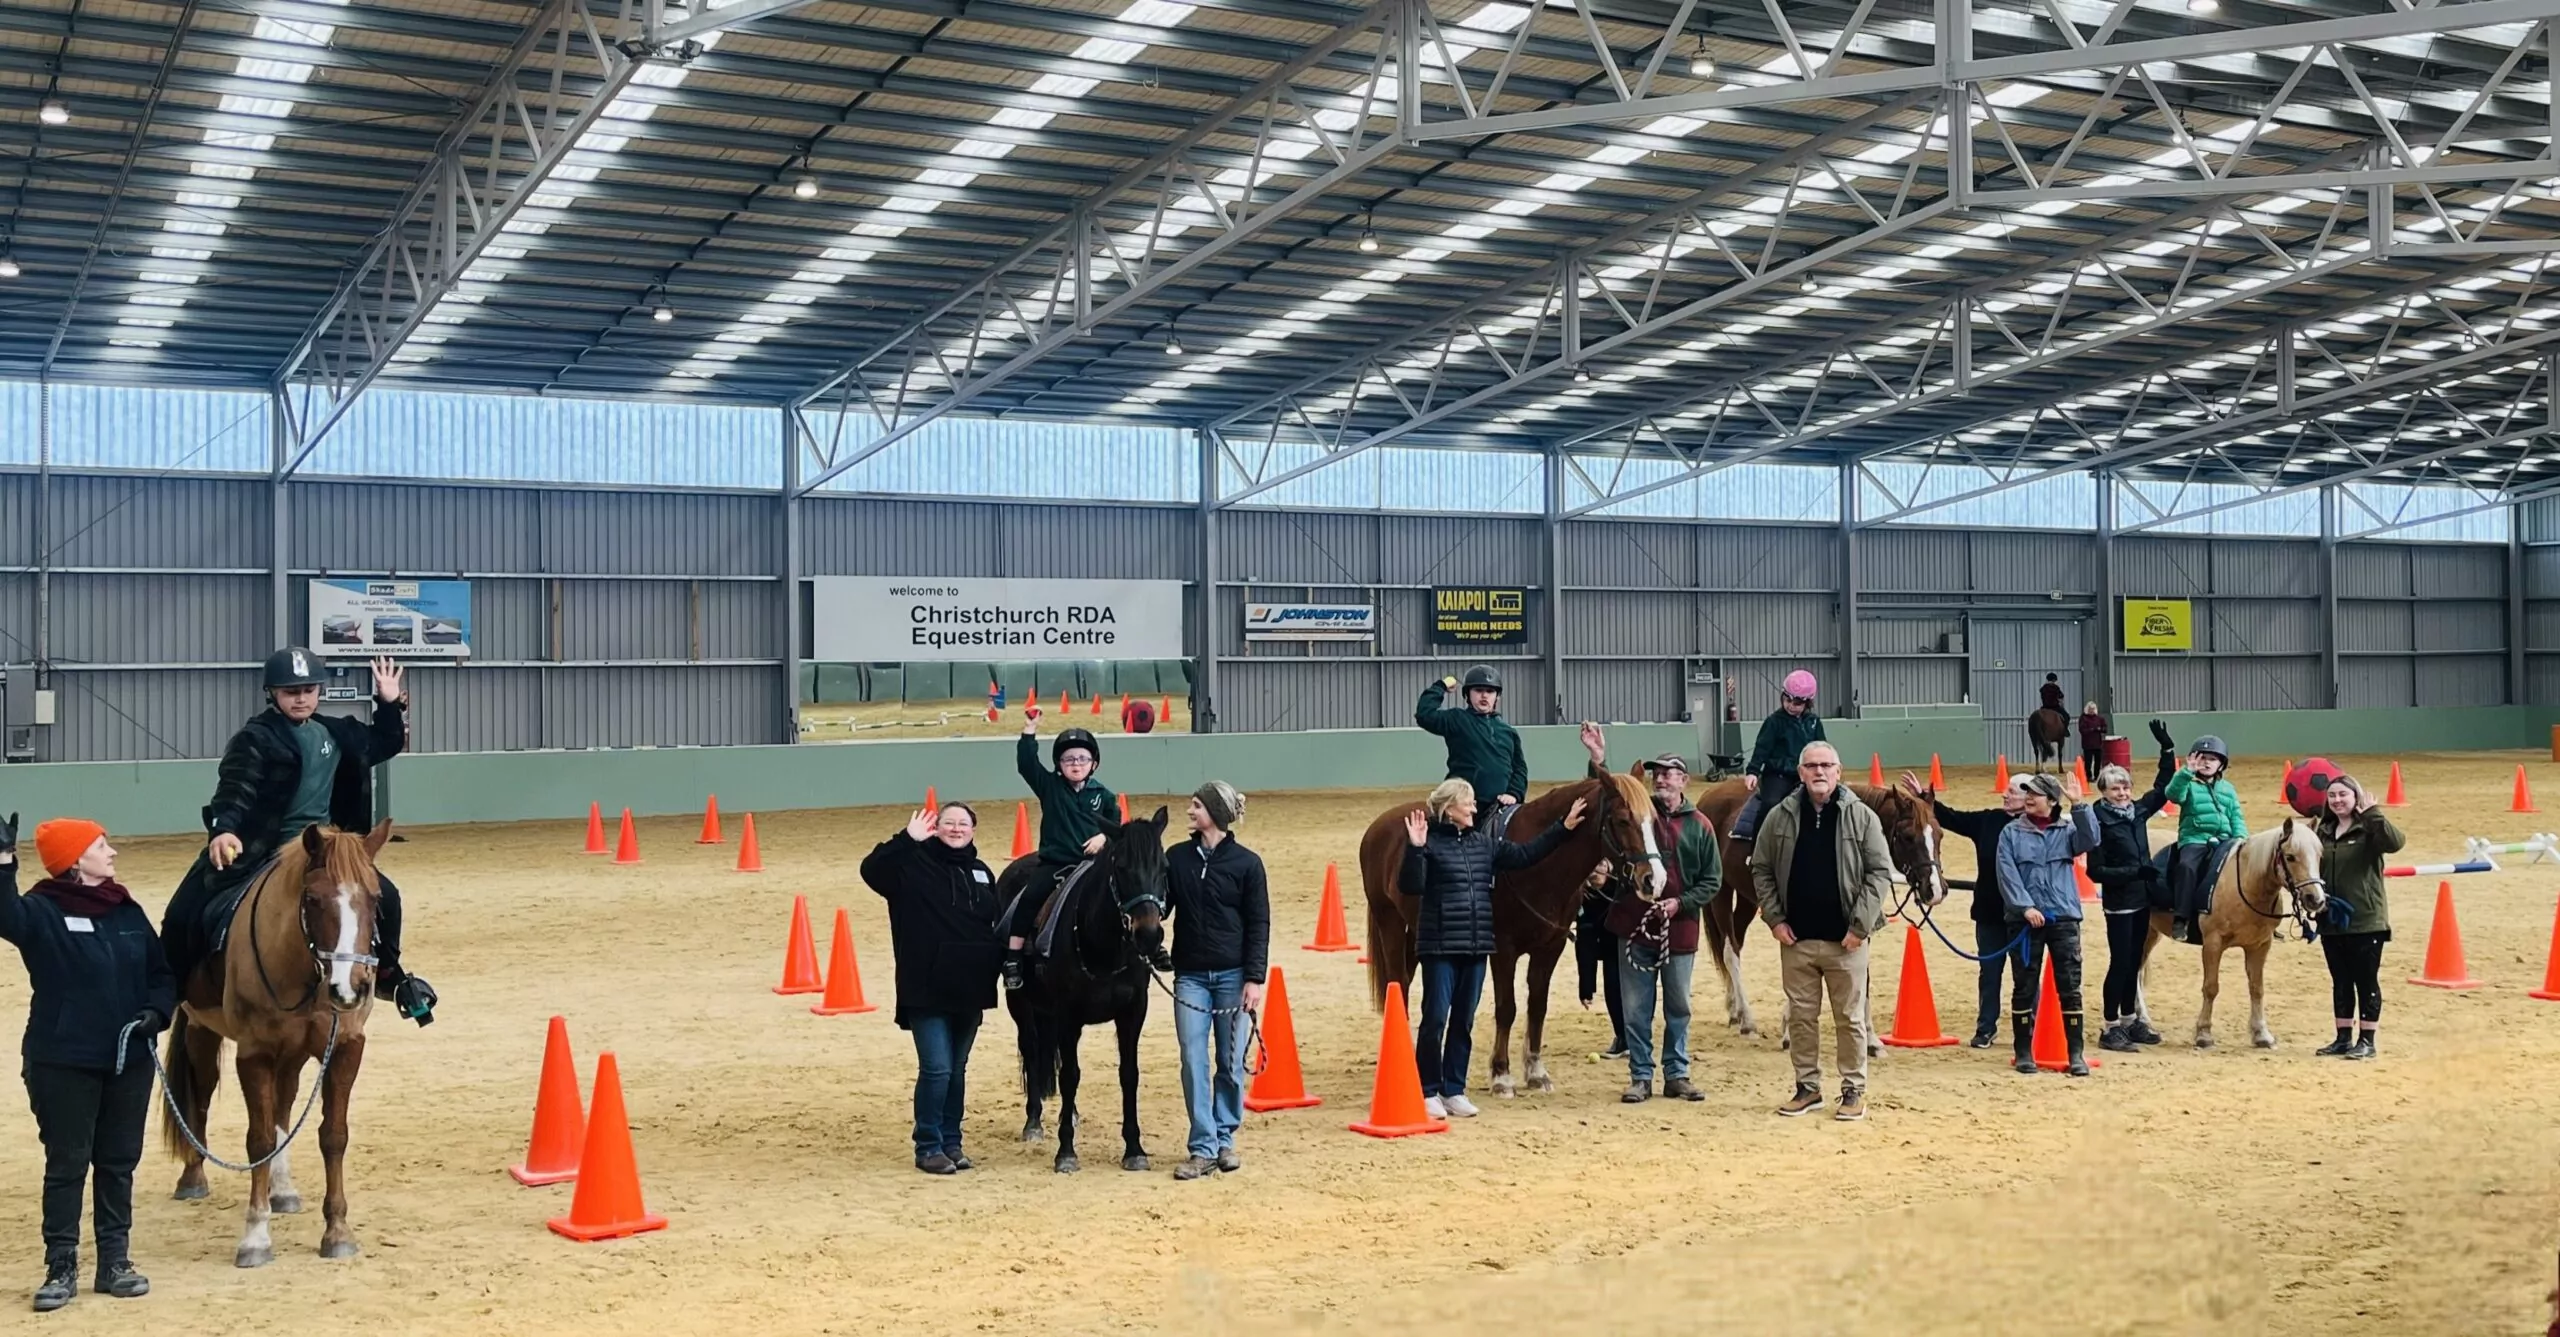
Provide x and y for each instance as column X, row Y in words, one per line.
column 213, row 926
column 1056, row 909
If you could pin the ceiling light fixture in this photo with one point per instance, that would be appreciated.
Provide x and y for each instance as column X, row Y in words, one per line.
column 1581, row 375
column 8, row 265
column 662, row 313
column 52, row 112
column 1702, row 62
column 1172, row 343
column 805, row 188
column 1368, row 242
column 2204, row 6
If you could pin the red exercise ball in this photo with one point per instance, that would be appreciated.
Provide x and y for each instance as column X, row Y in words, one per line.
column 1141, row 717
column 2306, row 786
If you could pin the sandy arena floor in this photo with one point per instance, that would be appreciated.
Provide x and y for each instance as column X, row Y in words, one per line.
column 2175, row 1192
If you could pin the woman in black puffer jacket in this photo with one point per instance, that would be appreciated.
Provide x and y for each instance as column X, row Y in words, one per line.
column 942, row 913
column 2127, row 879
column 1450, row 867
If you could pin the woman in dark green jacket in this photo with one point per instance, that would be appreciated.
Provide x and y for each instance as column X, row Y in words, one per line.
column 2355, row 839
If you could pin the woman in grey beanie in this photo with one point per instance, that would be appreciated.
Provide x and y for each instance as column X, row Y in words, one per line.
column 1221, row 951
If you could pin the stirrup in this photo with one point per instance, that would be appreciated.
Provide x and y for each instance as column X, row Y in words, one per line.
column 416, row 999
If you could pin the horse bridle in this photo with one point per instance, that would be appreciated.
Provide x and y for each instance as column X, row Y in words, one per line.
column 321, row 960
column 2293, row 888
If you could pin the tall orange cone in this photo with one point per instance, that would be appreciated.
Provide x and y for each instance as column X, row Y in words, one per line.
column 1124, row 810
column 2000, row 777
column 800, row 955
column 595, row 829
column 710, row 822
column 1937, row 777
column 932, row 801
column 1280, row 1085
column 750, row 859
column 2283, row 802
column 1875, row 769
column 1915, row 1005
column 1097, row 705
column 1331, row 934
column 2524, row 794
column 627, row 849
column 1124, row 710
column 2052, row 1052
column 2550, row 990
column 559, row 1125
column 1395, row 1100
column 608, row 1204
column 2396, row 797
column 1164, row 711
column 844, row 976
column 2080, row 875
column 2445, row 968
column 1021, row 830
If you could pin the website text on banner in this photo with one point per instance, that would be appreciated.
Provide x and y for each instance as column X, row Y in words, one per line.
column 887, row 619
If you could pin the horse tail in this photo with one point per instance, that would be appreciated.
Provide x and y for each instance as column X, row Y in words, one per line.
column 1386, row 953
column 1039, row 1056
column 180, row 1070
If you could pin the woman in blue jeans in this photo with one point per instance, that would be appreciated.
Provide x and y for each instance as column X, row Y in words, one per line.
column 1451, row 866
column 942, row 913
column 1221, row 952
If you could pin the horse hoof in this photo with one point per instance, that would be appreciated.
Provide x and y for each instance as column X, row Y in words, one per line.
column 2264, row 1041
column 1505, row 1089
column 340, row 1249
column 1068, row 1165
column 258, row 1257
column 1032, row 1132
column 2204, row 1042
column 1137, row 1162
column 1542, row 1084
column 285, row 1204
column 192, row 1192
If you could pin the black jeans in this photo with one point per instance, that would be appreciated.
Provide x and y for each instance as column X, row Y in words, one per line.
column 2123, row 987
column 1595, row 960
column 2090, row 764
column 2355, row 976
column 2061, row 937
column 89, row 1122
column 1988, row 939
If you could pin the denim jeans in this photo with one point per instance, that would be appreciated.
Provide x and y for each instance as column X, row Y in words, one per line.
column 1640, row 968
column 1216, row 1104
column 1988, row 939
column 1451, row 987
column 942, row 1077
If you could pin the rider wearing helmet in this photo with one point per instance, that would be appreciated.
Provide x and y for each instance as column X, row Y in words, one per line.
column 1771, row 772
column 1075, row 811
column 1484, row 750
column 289, row 768
column 2208, row 815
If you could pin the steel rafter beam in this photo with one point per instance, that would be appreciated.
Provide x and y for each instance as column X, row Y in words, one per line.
column 2516, row 497
column 2388, row 463
column 668, row 24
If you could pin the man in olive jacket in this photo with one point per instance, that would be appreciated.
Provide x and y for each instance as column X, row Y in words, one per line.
column 1822, row 871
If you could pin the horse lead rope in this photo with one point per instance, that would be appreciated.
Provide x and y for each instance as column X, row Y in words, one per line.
column 180, row 1119
column 1258, row 1056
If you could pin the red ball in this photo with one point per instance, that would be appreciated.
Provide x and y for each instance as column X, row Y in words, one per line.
column 2306, row 786
column 1140, row 719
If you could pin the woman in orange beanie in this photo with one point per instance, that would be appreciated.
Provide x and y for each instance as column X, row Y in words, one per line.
column 100, row 990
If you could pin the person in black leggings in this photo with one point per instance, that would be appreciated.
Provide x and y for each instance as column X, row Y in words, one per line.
column 2127, row 882
column 1993, row 936
column 1595, row 958
column 2355, row 840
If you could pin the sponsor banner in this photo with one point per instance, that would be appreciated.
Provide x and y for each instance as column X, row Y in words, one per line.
column 2159, row 624
column 396, row 619
column 1479, row 615
column 891, row 619
column 1310, row 622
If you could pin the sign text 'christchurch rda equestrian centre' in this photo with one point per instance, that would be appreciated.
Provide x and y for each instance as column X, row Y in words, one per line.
column 856, row 619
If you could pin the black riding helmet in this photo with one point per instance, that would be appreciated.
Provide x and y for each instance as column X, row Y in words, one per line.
column 1482, row 675
column 2213, row 745
column 1082, row 738
column 292, row 666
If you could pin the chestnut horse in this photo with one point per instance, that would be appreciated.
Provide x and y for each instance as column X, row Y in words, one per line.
column 1533, row 907
column 293, row 985
column 2272, row 877
column 1910, row 831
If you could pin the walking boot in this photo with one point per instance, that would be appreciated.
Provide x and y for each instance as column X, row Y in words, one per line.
column 2022, row 1040
column 61, row 1282
column 122, row 1280
column 2140, row 1032
column 2072, row 1038
column 2346, row 1040
column 2363, row 1047
column 2117, row 1038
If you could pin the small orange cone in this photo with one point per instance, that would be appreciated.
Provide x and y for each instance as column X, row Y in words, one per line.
column 2000, row 777
column 1021, row 830
column 2550, row 990
column 1937, row 777
column 2445, row 968
column 1915, row 1005
column 2052, row 1052
column 559, row 1125
column 1331, row 934
column 800, row 956
column 932, row 802
column 1280, row 1085
column 1875, row 769
column 750, row 859
column 608, row 1204
column 627, row 849
column 1164, row 712
column 844, row 976
column 710, row 822
column 595, row 829
column 1097, row 705
column 1124, row 810
column 2524, row 794
column 2080, row 875
column 2396, row 797
column 2283, row 801
column 1124, row 711
column 1395, row 1100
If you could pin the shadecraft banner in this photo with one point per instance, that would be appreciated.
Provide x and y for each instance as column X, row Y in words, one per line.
column 888, row 619
column 396, row 619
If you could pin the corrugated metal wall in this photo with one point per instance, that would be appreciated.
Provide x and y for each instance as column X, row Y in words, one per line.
column 2542, row 599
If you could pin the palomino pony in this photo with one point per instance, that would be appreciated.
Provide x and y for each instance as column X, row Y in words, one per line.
column 293, row 984
column 1096, row 972
column 2274, row 876
column 2046, row 728
column 1533, row 907
column 1910, row 832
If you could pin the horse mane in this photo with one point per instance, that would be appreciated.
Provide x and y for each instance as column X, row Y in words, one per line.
column 344, row 859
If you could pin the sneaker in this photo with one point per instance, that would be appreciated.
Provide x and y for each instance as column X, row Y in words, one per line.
column 2140, row 1032
column 1461, row 1108
column 1681, row 1088
column 1434, row 1107
column 1853, row 1105
column 2117, row 1040
column 61, row 1282
column 936, row 1163
column 1195, row 1167
column 1229, row 1162
column 122, row 1280
column 1980, row 1040
column 1636, row 1093
column 1615, row 1053
column 2361, row 1049
column 1805, row 1101
column 960, row 1160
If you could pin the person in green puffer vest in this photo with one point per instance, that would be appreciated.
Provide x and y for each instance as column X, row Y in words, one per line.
column 2208, row 816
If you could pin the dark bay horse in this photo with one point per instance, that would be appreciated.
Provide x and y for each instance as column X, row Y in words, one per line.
column 293, row 984
column 2046, row 729
column 1533, row 908
column 1096, row 972
column 1910, row 831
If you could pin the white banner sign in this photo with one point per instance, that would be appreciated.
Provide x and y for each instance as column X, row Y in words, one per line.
column 1310, row 622
column 397, row 619
column 889, row 619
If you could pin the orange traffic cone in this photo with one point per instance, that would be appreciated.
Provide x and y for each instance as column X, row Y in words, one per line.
column 2052, row 1052
column 932, row 802
column 2000, row 777
column 2080, row 875
column 1395, row 1100
column 1021, row 830
column 1124, row 712
column 2445, row 969
column 1124, row 810
column 559, row 1125
column 1915, row 1005
column 1097, row 705
column 2550, row 990
column 608, row 1204
column 750, row 859
column 2524, row 794
column 710, row 822
column 1875, row 769
column 1937, row 777
column 1280, row 1085
column 1331, row 934
column 595, row 829
column 627, row 849
column 1164, row 712
column 800, row 956
column 844, row 977
column 2396, row 797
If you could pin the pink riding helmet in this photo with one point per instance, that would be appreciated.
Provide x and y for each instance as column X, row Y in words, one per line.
column 1799, row 685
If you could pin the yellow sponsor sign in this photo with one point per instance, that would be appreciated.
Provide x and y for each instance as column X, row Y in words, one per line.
column 2159, row 624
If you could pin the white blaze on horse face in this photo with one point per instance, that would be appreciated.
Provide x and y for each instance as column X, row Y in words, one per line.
column 1654, row 871
column 341, row 985
column 1937, row 875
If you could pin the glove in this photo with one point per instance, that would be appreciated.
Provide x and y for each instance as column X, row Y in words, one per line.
column 148, row 1021
column 1448, row 684
column 1161, row 960
column 2160, row 731
column 9, row 835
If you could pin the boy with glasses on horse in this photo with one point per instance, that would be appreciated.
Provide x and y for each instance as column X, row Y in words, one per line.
column 1484, row 750
column 1075, row 809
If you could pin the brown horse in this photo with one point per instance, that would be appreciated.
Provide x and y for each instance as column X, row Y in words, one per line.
column 1533, row 907
column 294, row 984
column 2046, row 729
column 1910, row 831
column 2274, row 876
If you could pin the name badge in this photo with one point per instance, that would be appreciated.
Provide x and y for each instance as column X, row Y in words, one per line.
column 978, row 873
column 78, row 925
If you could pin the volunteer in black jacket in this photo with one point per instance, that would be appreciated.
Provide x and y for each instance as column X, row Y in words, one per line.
column 98, row 990
column 942, row 916
column 1221, row 954
column 1992, row 930
column 2127, row 881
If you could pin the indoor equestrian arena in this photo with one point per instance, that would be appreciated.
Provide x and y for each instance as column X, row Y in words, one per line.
column 935, row 667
